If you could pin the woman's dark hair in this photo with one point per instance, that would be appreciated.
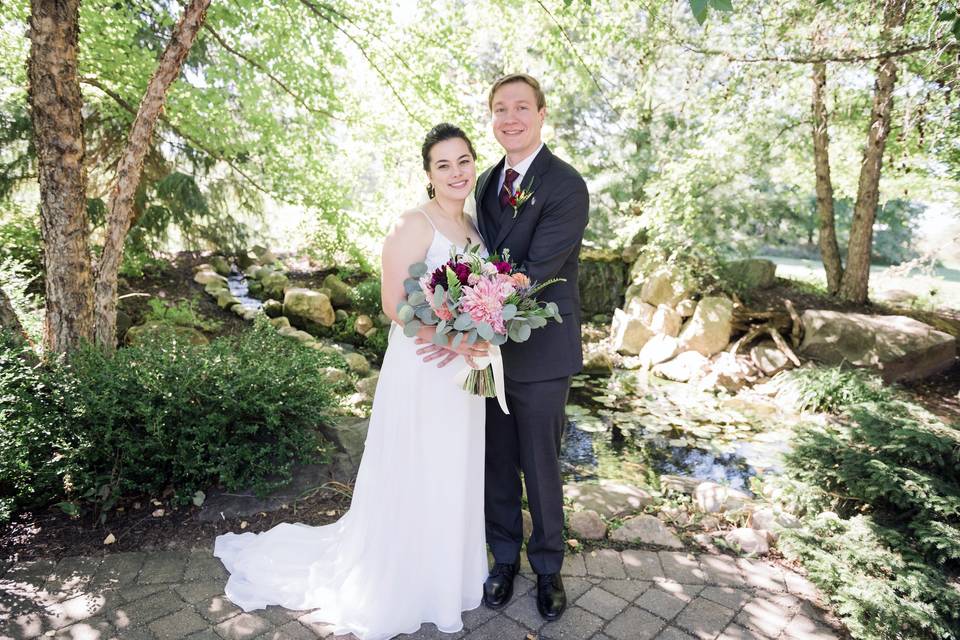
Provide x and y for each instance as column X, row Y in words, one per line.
column 441, row 132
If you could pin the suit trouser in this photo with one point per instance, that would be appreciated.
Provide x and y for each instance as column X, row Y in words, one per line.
column 527, row 439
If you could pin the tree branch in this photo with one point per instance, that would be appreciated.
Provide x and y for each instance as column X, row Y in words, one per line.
column 317, row 12
column 259, row 67
column 814, row 58
column 216, row 155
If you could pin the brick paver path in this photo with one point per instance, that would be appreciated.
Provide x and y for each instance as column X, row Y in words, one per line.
column 630, row 595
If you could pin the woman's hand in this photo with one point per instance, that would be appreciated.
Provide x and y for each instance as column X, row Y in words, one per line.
column 446, row 355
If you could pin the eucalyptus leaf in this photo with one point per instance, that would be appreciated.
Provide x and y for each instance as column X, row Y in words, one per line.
column 485, row 331
column 509, row 311
column 406, row 313
column 472, row 336
column 418, row 269
column 457, row 339
column 463, row 322
column 411, row 285
column 498, row 339
column 412, row 328
column 439, row 339
column 437, row 297
column 416, row 298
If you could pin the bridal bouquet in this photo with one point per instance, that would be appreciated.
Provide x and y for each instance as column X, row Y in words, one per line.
column 473, row 297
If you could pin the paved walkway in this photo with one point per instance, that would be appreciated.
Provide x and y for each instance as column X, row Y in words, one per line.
column 631, row 595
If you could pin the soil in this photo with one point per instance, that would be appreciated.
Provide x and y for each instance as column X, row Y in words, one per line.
column 53, row 534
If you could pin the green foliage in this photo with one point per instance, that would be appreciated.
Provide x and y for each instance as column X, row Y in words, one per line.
column 18, row 283
column 185, row 313
column 891, row 472
column 834, row 389
column 366, row 297
column 20, row 237
column 87, row 430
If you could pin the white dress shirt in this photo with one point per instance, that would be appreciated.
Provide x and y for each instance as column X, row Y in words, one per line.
column 521, row 167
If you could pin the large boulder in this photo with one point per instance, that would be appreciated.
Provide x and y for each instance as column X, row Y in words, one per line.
column 648, row 530
column 220, row 265
column 273, row 308
column 637, row 308
column 753, row 273
column 666, row 320
column 304, row 306
column 137, row 334
column 587, row 525
column 708, row 331
column 768, row 358
column 274, row 284
column 687, row 366
column 206, row 277
column 710, row 497
column 347, row 434
column 340, row 292
column 659, row 348
column 602, row 281
column 608, row 498
column 901, row 348
column 667, row 286
column 225, row 299
column 629, row 333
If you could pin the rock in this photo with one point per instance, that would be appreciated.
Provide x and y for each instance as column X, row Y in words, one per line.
column 339, row 290
column 137, row 334
column 280, row 322
column 686, row 307
column 250, row 314
column 587, row 525
column 274, row 284
column 710, row 523
column 348, row 434
column 659, row 348
column 383, row 319
column 710, row 497
column 749, row 541
column 251, row 270
column 598, row 361
column 666, row 320
column 896, row 297
column 762, row 519
column 901, row 348
column 648, row 530
column 220, row 265
column 238, row 309
column 666, row 285
column 363, row 324
column 708, row 331
column 768, row 358
column 308, row 305
column 679, row 484
column 527, row 523
column 753, row 273
column 368, row 385
column 273, row 308
column 629, row 333
column 205, row 266
column 225, row 299
column 637, row 308
column 788, row 520
column 602, row 280
column 259, row 273
column 600, row 318
column 335, row 376
column 339, row 314
column 255, row 289
column 608, row 498
column 357, row 363
column 206, row 277
column 687, row 366
column 729, row 372
column 296, row 334
column 214, row 288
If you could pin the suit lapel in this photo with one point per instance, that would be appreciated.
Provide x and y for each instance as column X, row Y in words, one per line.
column 491, row 175
column 534, row 177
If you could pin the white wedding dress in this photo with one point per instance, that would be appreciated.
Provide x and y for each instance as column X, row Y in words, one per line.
column 411, row 548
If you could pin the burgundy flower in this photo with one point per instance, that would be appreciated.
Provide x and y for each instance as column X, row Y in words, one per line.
column 502, row 267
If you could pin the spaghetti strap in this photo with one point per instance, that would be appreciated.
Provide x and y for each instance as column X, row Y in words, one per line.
column 428, row 219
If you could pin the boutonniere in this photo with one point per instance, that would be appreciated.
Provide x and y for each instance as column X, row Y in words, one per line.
column 519, row 198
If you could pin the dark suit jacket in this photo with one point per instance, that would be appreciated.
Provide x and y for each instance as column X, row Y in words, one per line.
column 544, row 241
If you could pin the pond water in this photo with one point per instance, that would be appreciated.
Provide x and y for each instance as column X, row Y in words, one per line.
column 631, row 428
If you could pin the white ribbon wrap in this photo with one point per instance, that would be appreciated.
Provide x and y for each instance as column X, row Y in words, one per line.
column 496, row 360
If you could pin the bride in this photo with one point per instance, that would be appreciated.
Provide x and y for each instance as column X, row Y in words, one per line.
column 411, row 548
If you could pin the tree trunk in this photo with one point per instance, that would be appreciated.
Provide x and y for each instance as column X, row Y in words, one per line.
column 857, row 275
column 55, row 104
column 829, row 251
column 120, row 207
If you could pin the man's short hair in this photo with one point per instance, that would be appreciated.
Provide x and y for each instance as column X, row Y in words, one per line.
column 519, row 77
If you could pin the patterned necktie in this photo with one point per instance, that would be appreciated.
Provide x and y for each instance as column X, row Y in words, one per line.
column 507, row 190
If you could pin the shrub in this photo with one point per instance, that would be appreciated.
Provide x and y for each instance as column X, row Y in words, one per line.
column 366, row 297
column 238, row 412
column 181, row 314
column 20, row 239
column 890, row 470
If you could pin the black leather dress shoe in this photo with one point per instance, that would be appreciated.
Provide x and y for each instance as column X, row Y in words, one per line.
column 498, row 587
column 551, row 598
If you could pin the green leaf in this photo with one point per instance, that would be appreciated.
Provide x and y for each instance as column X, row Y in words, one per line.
column 418, row 269
column 699, row 8
column 457, row 339
column 439, row 339
column 412, row 328
column 411, row 285
column 406, row 313
column 416, row 299
column 437, row 297
column 463, row 322
column 199, row 497
column 498, row 339
column 485, row 331
column 509, row 311
column 69, row 508
column 722, row 5
column 472, row 336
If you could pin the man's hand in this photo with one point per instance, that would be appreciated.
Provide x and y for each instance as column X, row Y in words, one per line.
column 445, row 355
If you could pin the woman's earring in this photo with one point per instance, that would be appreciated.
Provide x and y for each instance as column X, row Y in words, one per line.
column 431, row 192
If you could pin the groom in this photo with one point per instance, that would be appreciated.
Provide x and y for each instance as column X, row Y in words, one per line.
column 543, row 234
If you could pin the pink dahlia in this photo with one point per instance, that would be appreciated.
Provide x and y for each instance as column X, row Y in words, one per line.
column 484, row 303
